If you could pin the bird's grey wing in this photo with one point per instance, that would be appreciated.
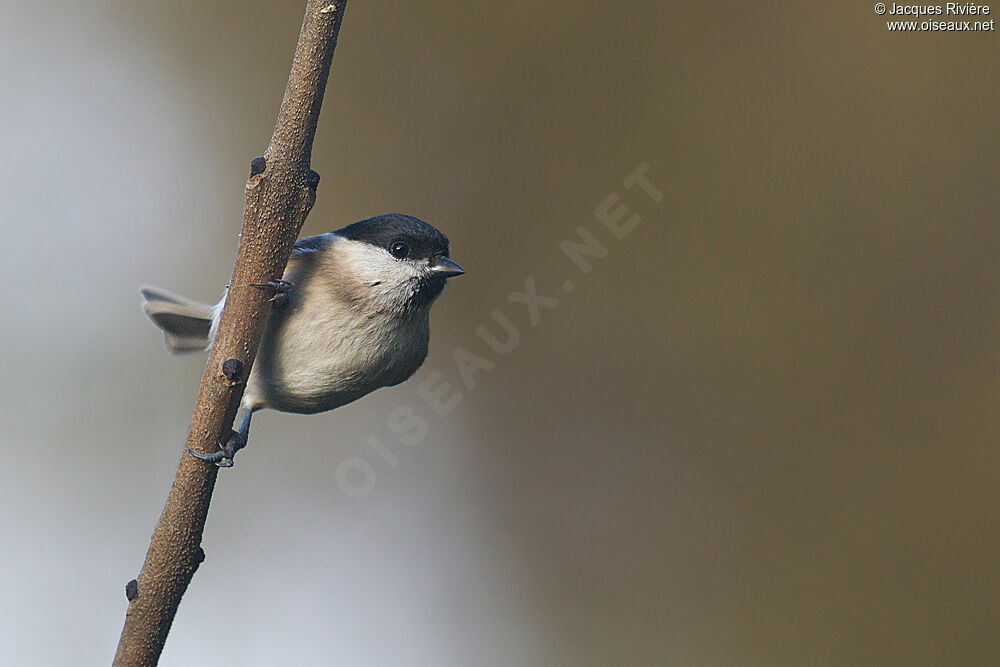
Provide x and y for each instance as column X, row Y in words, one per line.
column 303, row 260
column 311, row 244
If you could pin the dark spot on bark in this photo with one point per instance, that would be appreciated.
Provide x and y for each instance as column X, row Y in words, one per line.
column 232, row 369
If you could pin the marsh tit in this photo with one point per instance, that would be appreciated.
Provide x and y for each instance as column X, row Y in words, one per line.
column 350, row 315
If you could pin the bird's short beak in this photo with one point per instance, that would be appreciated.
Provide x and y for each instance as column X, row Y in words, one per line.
column 446, row 268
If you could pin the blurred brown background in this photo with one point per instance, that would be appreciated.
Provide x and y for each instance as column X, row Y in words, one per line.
column 762, row 431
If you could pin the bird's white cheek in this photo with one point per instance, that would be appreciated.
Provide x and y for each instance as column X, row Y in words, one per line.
column 370, row 264
column 389, row 283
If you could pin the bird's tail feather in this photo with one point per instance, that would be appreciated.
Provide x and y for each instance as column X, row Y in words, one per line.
column 186, row 324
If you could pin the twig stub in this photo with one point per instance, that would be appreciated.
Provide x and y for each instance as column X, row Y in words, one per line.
column 257, row 166
column 131, row 590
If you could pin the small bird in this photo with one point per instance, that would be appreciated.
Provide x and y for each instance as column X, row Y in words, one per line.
column 350, row 315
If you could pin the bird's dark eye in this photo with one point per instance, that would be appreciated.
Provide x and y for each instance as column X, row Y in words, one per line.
column 399, row 250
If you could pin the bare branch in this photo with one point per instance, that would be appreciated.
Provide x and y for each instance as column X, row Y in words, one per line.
column 279, row 195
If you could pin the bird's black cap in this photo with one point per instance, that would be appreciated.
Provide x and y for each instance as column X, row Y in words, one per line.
column 423, row 240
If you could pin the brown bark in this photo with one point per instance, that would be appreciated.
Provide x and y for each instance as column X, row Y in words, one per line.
column 277, row 203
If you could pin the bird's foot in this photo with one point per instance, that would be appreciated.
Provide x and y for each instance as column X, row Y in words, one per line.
column 281, row 290
column 227, row 451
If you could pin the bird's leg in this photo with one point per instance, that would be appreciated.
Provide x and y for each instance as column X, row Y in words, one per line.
column 237, row 440
column 281, row 290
